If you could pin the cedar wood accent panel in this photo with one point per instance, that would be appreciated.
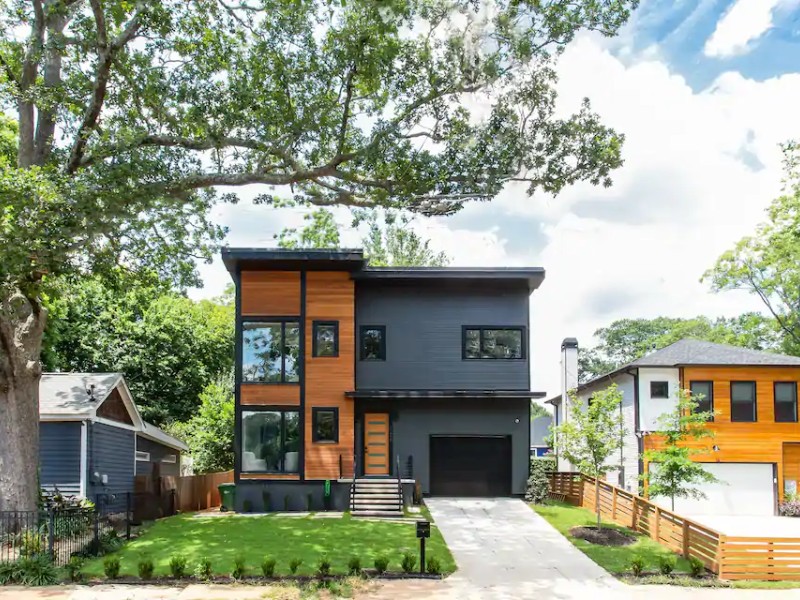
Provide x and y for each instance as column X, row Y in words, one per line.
column 330, row 296
column 113, row 408
column 270, row 293
column 764, row 441
column 269, row 394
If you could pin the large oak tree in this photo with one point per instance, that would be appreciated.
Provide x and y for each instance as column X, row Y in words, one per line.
column 134, row 117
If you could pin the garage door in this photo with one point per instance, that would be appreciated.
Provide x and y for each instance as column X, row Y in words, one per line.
column 470, row 466
column 743, row 489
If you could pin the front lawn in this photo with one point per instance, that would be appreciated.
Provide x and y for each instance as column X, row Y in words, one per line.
column 221, row 539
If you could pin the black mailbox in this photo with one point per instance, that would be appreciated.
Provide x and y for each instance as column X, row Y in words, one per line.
column 423, row 529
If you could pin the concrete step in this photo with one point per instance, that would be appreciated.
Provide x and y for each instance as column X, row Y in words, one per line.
column 380, row 496
column 376, row 488
column 376, row 513
column 369, row 503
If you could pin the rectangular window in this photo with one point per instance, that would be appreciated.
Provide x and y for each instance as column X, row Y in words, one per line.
column 271, row 352
column 703, row 394
column 743, row 401
column 271, row 441
column 326, row 338
column 785, row 402
column 170, row 458
column 142, row 456
column 659, row 389
column 373, row 342
column 325, row 424
column 493, row 342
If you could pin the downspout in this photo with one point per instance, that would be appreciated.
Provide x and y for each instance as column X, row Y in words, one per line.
column 637, row 425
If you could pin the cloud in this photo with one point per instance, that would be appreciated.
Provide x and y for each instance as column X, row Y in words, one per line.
column 743, row 23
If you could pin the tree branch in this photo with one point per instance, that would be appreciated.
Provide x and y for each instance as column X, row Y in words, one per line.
column 45, row 128
column 30, row 69
column 346, row 112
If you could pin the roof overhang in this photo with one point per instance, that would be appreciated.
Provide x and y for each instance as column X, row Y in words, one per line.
column 433, row 394
column 280, row 259
column 154, row 434
column 530, row 277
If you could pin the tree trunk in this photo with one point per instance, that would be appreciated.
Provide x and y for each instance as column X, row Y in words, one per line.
column 597, row 501
column 22, row 322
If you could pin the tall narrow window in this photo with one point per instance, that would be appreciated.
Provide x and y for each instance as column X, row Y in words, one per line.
column 271, row 441
column 743, row 401
column 373, row 342
column 703, row 394
column 326, row 338
column 325, row 424
column 493, row 342
column 785, row 401
column 271, row 352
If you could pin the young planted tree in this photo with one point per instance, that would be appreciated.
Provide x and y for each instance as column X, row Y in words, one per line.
column 592, row 435
column 680, row 431
column 130, row 115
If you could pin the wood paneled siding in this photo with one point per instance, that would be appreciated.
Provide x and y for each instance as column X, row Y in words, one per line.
column 270, row 293
column 330, row 296
column 114, row 408
column 282, row 394
column 60, row 456
column 760, row 442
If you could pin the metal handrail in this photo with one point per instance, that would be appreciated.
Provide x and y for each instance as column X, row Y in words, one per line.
column 399, row 480
column 353, row 483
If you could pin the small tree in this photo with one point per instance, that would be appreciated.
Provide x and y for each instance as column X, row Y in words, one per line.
column 592, row 434
column 680, row 431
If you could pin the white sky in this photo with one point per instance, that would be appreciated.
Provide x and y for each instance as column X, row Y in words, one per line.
column 743, row 23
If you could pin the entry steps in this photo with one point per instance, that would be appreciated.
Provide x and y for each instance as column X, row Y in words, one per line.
column 376, row 498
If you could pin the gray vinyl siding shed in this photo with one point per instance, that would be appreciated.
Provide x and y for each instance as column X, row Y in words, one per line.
column 157, row 454
column 111, row 453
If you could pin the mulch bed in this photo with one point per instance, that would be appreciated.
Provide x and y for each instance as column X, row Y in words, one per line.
column 603, row 536
column 254, row 580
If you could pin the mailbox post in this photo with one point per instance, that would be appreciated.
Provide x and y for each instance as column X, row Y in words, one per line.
column 423, row 532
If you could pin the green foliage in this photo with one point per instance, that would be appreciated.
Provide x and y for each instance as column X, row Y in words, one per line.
column 309, row 502
column 696, row 566
column 247, row 506
column 10, row 572
column 321, row 231
column 537, row 410
column 265, row 497
column 637, row 565
column 239, row 567
column 31, row 543
column 202, row 569
column 324, row 566
column 111, row 566
column 538, row 483
column 381, row 563
column 674, row 473
column 294, row 564
column 666, row 564
column 592, row 433
column 408, row 562
column 145, row 567
column 268, row 566
column 72, row 569
column 354, row 565
column 177, row 566
column 433, row 567
column 37, row 571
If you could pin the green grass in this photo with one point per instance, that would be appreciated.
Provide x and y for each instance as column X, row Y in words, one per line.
column 284, row 538
column 614, row 559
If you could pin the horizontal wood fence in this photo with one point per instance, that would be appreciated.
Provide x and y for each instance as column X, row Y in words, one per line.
column 773, row 559
column 194, row 492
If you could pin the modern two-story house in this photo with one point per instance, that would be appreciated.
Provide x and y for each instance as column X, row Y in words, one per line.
column 351, row 375
column 755, row 449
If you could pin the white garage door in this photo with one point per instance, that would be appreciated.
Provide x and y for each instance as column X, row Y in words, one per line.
column 743, row 489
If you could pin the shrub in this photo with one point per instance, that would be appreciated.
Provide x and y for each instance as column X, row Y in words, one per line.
column 177, row 566
column 31, row 543
column 286, row 503
column 37, row 570
column 309, row 501
column 294, row 564
column 203, row 569
column 434, row 567
column 111, row 567
column 538, row 486
column 696, row 567
column 268, row 566
column 637, row 565
column 354, row 565
column 72, row 569
column 145, row 567
column 239, row 568
column 790, row 508
column 247, row 506
column 10, row 573
column 381, row 564
column 666, row 564
column 265, row 497
column 324, row 567
column 409, row 562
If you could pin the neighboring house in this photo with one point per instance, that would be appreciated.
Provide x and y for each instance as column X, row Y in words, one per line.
column 540, row 432
column 344, row 369
column 755, row 451
column 92, row 440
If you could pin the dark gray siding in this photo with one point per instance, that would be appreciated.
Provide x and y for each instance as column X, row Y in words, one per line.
column 157, row 452
column 60, row 456
column 424, row 335
column 111, row 453
column 414, row 421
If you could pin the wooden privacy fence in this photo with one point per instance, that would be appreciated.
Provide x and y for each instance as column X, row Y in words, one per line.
column 194, row 492
column 729, row 557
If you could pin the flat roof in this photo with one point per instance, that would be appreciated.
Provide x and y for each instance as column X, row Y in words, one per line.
column 400, row 394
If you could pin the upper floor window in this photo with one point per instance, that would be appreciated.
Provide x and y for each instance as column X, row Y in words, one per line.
column 659, row 389
column 325, row 341
column 703, row 394
column 271, row 441
column 373, row 342
column 743, row 401
column 493, row 342
column 785, row 402
column 271, row 352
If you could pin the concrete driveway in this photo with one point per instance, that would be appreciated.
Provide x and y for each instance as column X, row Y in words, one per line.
column 752, row 526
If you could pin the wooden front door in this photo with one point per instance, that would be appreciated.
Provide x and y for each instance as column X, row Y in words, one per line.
column 376, row 444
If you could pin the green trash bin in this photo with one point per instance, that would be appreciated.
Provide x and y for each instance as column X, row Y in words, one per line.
column 227, row 495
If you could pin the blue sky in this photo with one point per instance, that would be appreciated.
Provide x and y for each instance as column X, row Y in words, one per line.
column 704, row 92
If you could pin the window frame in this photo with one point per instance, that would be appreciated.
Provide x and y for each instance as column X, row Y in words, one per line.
column 315, row 344
column 275, row 409
column 361, row 330
column 659, row 382
column 142, row 456
column 315, row 410
column 709, row 398
column 775, row 385
column 283, row 321
column 481, row 336
column 755, row 401
column 170, row 459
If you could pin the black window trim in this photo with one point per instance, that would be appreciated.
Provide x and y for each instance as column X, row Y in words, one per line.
column 361, row 330
column 755, row 401
column 314, row 347
column 300, row 363
column 659, row 381
column 775, row 400
column 282, row 409
column 710, row 397
column 481, row 328
column 315, row 410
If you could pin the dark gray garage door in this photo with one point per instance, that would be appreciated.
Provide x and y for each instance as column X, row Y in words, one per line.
column 470, row 465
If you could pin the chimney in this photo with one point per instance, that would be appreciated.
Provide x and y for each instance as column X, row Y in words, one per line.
column 569, row 381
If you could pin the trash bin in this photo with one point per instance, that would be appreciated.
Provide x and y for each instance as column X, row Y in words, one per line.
column 227, row 495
